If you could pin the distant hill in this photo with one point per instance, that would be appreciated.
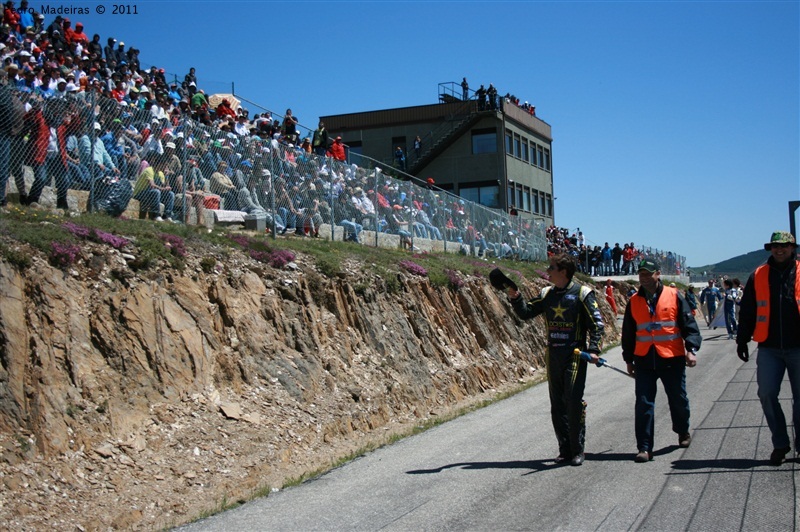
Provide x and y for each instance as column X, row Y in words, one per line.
column 741, row 266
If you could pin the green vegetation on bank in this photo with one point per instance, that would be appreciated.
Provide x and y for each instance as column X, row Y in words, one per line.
column 61, row 238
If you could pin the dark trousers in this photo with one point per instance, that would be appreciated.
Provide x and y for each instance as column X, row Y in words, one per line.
column 43, row 175
column 674, row 380
column 566, row 382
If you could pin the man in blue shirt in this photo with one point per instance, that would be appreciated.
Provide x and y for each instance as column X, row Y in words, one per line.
column 709, row 296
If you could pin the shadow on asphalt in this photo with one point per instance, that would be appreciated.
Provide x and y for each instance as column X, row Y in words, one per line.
column 605, row 456
column 533, row 465
column 721, row 463
column 538, row 465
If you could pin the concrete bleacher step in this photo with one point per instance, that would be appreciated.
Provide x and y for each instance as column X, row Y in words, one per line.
column 78, row 200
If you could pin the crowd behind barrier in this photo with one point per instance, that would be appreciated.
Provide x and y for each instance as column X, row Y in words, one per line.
column 81, row 115
column 602, row 261
column 176, row 167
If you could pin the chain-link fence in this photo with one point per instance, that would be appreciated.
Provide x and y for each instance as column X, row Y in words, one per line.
column 145, row 163
column 138, row 160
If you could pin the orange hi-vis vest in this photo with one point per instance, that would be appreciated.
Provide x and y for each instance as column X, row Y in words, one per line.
column 660, row 329
column 761, row 282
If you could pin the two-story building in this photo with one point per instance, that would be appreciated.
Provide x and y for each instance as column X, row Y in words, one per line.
column 499, row 155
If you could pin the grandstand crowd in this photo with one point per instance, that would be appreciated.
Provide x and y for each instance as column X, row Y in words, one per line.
column 85, row 115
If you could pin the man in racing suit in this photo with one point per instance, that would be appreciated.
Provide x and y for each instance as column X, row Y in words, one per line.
column 571, row 315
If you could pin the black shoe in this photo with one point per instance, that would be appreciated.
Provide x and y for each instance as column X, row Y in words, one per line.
column 561, row 458
column 684, row 440
column 23, row 200
column 577, row 460
column 642, row 457
column 779, row 455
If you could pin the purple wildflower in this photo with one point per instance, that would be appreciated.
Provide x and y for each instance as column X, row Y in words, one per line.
column 114, row 241
column 280, row 258
column 77, row 230
column 456, row 282
column 175, row 243
column 241, row 240
column 63, row 255
column 413, row 267
column 260, row 256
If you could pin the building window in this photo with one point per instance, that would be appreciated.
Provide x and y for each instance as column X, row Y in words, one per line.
column 547, row 160
column 526, row 199
column 533, row 154
column 488, row 196
column 540, row 151
column 548, row 202
column 355, row 148
column 525, row 155
column 509, row 142
column 484, row 141
column 535, row 198
column 517, row 147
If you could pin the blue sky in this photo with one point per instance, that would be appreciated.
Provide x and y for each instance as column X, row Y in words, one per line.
column 675, row 124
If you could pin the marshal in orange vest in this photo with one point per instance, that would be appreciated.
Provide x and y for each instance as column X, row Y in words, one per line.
column 661, row 328
column 761, row 282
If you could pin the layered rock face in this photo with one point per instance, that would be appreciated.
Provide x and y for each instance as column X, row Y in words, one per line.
column 152, row 397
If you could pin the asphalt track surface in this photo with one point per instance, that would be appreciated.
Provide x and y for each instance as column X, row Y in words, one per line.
column 493, row 469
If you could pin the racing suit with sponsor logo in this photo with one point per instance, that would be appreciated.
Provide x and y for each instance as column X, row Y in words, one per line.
column 573, row 321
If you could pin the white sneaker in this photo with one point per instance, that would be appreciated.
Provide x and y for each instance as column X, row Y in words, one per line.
column 159, row 219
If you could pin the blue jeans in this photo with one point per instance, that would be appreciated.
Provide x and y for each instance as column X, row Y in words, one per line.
column 730, row 318
column 433, row 232
column 5, row 167
column 289, row 218
column 45, row 174
column 674, row 381
column 150, row 199
column 772, row 365
column 79, row 176
column 351, row 230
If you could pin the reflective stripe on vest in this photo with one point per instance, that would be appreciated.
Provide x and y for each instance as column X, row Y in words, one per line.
column 761, row 283
column 661, row 329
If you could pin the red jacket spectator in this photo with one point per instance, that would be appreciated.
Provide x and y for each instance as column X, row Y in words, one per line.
column 118, row 93
column 10, row 16
column 382, row 201
column 337, row 149
column 39, row 138
column 69, row 32
column 78, row 35
column 224, row 109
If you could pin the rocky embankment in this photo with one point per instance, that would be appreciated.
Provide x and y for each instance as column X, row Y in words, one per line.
column 133, row 400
